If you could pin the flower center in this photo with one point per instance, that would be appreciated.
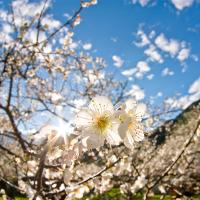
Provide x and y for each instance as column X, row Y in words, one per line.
column 132, row 123
column 102, row 123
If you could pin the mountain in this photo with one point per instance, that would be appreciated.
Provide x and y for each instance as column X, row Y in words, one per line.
column 172, row 153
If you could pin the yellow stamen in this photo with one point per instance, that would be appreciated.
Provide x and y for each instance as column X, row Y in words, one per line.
column 101, row 123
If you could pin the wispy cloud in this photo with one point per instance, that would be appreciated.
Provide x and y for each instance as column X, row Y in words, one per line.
column 118, row 61
column 87, row 46
column 183, row 54
column 139, row 71
column 141, row 2
column 171, row 46
column 129, row 72
column 195, row 87
column 167, row 72
column 150, row 76
column 143, row 39
column 185, row 101
column 181, row 4
column 178, row 4
column 153, row 54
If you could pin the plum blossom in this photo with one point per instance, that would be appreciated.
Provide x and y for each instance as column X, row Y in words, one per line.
column 131, row 128
column 98, row 123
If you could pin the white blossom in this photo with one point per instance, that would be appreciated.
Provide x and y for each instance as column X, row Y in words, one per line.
column 98, row 123
column 131, row 128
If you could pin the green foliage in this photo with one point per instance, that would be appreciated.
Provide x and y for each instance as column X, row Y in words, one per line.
column 115, row 194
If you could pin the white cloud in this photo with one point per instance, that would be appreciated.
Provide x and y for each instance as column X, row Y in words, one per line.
column 195, row 87
column 185, row 101
column 141, row 2
column 195, row 57
column 5, row 32
column 159, row 94
column 129, row 72
column 143, row 39
column 152, row 34
column 150, row 76
column 73, row 45
column 7, row 28
column 87, row 46
column 170, row 46
column 50, row 22
column 136, row 92
column 159, row 46
column 183, row 54
column 32, row 36
column 153, row 54
column 143, row 66
column 181, row 4
column 23, row 9
column 67, row 15
column 139, row 71
column 114, row 39
column 182, row 102
column 167, row 72
column 3, row 15
column 118, row 62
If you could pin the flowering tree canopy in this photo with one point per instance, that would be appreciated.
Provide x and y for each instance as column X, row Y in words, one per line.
column 64, row 120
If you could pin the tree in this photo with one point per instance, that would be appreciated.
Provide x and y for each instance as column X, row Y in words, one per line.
column 44, row 78
column 47, row 78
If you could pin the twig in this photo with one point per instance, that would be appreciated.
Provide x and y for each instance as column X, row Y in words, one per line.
column 99, row 173
column 10, row 184
column 15, row 129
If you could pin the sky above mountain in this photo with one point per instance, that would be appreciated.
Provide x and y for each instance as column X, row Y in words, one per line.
column 154, row 44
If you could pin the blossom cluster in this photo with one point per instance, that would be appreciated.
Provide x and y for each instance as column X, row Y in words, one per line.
column 101, row 121
column 94, row 125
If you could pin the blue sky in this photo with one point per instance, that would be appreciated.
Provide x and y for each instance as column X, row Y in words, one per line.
column 155, row 42
column 112, row 27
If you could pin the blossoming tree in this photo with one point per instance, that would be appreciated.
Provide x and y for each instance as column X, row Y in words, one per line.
column 45, row 80
column 60, row 134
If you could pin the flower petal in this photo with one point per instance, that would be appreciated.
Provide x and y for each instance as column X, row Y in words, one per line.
column 112, row 135
column 129, row 141
column 123, row 128
column 137, row 134
column 83, row 118
column 94, row 139
column 140, row 111
column 101, row 104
